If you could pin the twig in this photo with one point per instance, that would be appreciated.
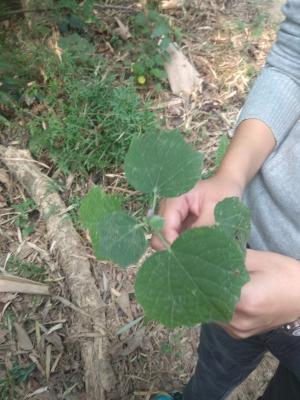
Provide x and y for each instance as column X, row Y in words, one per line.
column 85, row 295
column 29, row 10
column 67, row 303
column 25, row 160
column 118, row 8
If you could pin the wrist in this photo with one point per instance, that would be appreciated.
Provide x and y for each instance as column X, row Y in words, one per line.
column 251, row 145
column 231, row 175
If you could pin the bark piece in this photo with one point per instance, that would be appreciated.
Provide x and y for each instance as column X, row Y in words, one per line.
column 122, row 30
column 99, row 375
column 171, row 4
column 182, row 75
column 124, row 303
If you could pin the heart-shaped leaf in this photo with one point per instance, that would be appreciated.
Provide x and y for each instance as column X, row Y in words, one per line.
column 198, row 280
column 163, row 163
column 96, row 204
column 120, row 238
column 233, row 218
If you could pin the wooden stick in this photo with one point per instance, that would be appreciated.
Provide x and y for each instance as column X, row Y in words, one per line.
column 15, row 284
column 99, row 376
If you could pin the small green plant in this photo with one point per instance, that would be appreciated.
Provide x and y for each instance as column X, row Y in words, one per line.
column 22, row 220
column 154, row 35
column 89, row 123
column 199, row 277
column 25, row 269
column 15, row 376
column 73, row 206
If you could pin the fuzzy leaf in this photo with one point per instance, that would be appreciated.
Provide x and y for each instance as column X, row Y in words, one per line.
column 118, row 237
column 233, row 218
column 164, row 163
column 95, row 205
column 198, row 280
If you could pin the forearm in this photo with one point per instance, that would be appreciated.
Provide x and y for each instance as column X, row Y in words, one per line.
column 273, row 105
column 251, row 145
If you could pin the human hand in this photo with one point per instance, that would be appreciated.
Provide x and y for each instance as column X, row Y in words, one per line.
column 194, row 208
column 270, row 299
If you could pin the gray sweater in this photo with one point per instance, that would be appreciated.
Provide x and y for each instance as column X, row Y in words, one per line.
column 274, row 194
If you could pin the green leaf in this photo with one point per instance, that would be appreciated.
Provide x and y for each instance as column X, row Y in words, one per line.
column 164, row 163
column 198, row 280
column 221, row 150
column 159, row 60
column 164, row 44
column 138, row 68
column 77, row 45
column 120, row 238
column 233, row 218
column 95, row 205
column 159, row 73
column 160, row 30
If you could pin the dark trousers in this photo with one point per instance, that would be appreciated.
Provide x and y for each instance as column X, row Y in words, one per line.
column 225, row 362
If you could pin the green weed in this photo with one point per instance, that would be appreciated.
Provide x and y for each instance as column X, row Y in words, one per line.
column 15, row 376
column 153, row 34
column 22, row 220
column 25, row 269
column 90, row 122
column 74, row 202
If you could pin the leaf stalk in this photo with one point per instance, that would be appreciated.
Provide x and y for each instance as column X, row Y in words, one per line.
column 164, row 241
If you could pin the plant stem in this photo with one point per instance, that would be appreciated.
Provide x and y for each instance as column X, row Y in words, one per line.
column 154, row 202
column 141, row 225
column 164, row 241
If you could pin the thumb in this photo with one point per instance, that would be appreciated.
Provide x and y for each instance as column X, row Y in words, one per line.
column 174, row 212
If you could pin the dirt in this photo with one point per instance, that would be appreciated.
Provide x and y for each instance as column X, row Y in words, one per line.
column 275, row 10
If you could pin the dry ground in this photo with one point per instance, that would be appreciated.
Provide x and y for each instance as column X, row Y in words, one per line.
column 227, row 47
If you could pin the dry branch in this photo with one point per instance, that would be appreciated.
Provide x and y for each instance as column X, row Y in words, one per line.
column 99, row 375
column 15, row 284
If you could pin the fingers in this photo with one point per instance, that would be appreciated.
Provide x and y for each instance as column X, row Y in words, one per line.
column 239, row 333
column 206, row 217
column 174, row 211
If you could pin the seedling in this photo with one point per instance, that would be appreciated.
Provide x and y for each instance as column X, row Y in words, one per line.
column 22, row 220
column 199, row 277
column 154, row 35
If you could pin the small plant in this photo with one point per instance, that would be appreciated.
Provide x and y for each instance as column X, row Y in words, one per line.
column 15, row 376
column 22, row 220
column 25, row 269
column 199, row 277
column 154, row 35
column 89, row 123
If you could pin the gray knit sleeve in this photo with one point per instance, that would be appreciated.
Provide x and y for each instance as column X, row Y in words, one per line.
column 275, row 95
